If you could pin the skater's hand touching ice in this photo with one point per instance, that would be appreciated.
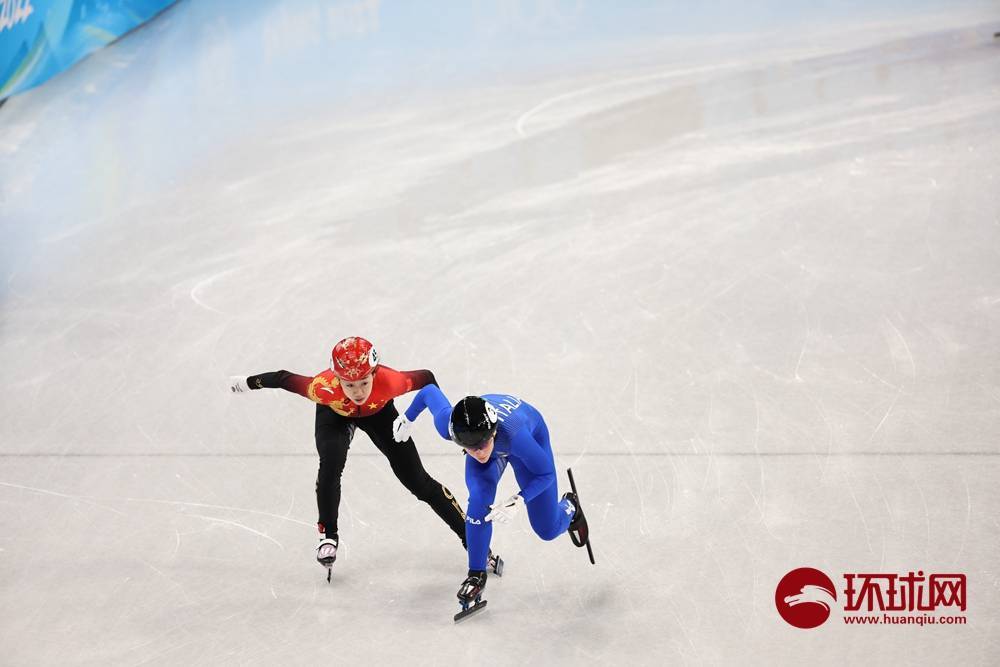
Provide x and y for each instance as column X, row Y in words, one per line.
column 503, row 512
column 401, row 429
column 238, row 384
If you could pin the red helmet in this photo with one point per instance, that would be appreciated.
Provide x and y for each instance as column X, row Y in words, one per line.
column 353, row 358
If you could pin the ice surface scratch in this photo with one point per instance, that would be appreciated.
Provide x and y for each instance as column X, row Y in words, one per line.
column 83, row 499
column 906, row 347
column 886, row 415
column 616, row 83
column 216, row 507
column 205, row 283
column 762, row 502
column 154, row 569
column 805, row 341
column 878, row 377
column 144, row 434
column 36, row 490
column 238, row 525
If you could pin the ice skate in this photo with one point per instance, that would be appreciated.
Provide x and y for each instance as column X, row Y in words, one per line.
column 495, row 564
column 470, row 595
column 326, row 554
column 578, row 530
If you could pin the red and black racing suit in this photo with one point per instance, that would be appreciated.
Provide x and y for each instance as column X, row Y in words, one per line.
column 336, row 419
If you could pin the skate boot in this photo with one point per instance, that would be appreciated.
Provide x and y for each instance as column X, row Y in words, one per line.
column 578, row 530
column 470, row 595
column 326, row 554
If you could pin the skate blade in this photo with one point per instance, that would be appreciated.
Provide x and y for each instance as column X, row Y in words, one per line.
column 474, row 609
column 590, row 552
column 497, row 566
column 580, row 540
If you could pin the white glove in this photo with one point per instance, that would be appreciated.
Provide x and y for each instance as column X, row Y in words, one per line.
column 238, row 384
column 401, row 429
column 505, row 511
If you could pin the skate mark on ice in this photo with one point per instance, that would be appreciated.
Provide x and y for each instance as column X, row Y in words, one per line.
column 876, row 375
column 895, row 398
column 196, row 290
column 805, row 341
column 83, row 499
column 895, row 353
column 217, row 507
column 761, row 502
column 145, row 435
column 174, row 584
column 617, row 83
column 238, row 525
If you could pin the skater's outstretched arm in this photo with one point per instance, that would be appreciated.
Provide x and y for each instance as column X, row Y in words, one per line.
column 432, row 398
column 297, row 384
column 538, row 461
column 395, row 382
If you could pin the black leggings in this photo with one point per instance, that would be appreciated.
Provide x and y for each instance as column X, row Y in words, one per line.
column 333, row 438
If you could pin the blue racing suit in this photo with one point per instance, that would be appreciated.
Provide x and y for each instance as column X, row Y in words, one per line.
column 522, row 440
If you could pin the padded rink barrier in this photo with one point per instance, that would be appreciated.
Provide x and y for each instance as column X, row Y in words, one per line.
column 40, row 38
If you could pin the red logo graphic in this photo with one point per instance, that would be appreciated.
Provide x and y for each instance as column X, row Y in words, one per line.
column 804, row 597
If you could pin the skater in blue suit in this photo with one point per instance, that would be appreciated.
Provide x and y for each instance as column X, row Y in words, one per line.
column 496, row 430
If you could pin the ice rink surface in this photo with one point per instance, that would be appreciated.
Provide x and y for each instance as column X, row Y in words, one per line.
column 752, row 280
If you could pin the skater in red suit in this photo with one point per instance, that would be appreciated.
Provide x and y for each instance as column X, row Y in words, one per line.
column 357, row 392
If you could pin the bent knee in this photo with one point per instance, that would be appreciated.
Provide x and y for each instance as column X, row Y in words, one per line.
column 547, row 531
column 550, row 534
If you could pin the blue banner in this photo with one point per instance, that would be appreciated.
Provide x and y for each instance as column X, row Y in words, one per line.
column 40, row 38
